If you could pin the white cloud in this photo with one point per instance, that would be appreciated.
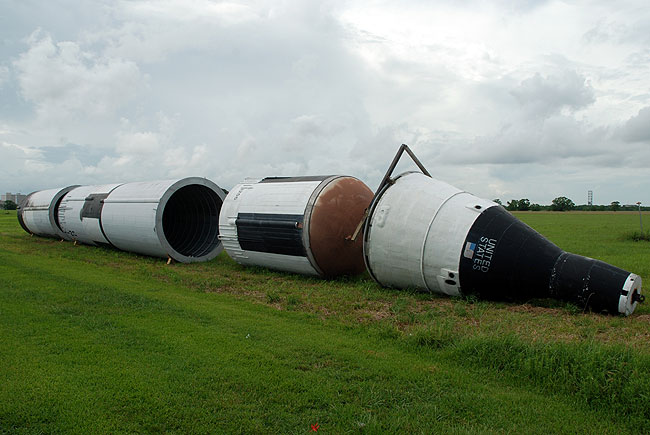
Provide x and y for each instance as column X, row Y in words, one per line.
column 190, row 11
column 62, row 80
column 140, row 143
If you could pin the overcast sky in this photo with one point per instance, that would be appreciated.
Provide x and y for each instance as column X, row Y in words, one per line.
column 505, row 99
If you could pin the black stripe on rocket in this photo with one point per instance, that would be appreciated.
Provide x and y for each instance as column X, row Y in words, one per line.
column 93, row 205
column 295, row 179
column 505, row 259
column 24, row 203
column 92, row 209
column 272, row 233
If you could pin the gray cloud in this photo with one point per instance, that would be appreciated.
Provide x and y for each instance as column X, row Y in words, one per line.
column 555, row 138
column 637, row 128
column 4, row 75
column 542, row 96
column 86, row 155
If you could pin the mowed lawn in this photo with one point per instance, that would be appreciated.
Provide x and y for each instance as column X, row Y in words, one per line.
column 94, row 340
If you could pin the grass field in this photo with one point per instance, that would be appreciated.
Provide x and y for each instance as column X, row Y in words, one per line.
column 96, row 340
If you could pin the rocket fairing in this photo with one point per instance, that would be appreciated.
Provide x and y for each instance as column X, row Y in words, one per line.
column 424, row 233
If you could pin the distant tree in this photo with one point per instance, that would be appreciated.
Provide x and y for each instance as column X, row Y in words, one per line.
column 535, row 207
column 615, row 206
column 498, row 201
column 562, row 203
column 9, row 205
column 513, row 205
column 523, row 204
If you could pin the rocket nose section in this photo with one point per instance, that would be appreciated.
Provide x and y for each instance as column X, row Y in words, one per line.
column 630, row 295
column 504, row 259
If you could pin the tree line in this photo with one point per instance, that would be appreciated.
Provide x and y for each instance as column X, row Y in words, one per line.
column 562, row 203
column 8, row 205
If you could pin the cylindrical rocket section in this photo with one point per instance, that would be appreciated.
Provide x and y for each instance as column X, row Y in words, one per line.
column 178, row 219
column 299, row 224
column 424, row 233
column 38, row 213
column 80, row 214
column 171, row 218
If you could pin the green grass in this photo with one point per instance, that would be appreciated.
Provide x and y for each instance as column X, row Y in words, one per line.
column 598, row 235
column 637, row 236
column 97, row 340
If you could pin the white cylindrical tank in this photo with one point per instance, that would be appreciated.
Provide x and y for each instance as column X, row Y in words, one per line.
column 80, row 213
column 415, row 232
column 423, row 233
column 296, row 224
column 171, row 218
column 38, row 212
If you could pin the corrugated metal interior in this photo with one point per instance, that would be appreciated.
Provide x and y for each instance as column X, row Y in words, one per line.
column 191, row 220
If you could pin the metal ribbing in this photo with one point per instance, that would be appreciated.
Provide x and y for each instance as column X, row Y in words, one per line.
column 190, row 220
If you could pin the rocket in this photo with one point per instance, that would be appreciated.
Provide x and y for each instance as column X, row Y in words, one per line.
column 418, row 232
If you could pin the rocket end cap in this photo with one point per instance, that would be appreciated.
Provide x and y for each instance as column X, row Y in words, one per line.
column 630, row 295
column 335, row 215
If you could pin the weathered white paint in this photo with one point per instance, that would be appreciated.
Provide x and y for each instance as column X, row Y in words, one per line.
column 251, row 196
column 39, row 212
column 415, row 233
column 132, row 218
column 82, row 229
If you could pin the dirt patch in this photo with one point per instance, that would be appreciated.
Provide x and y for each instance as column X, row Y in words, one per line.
column 527, row 308
column 221, row 289
column 373, row 314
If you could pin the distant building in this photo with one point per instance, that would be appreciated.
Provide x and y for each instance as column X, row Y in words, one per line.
column 15, row 197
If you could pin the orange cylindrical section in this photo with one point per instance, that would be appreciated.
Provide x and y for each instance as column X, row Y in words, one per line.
column 336, row 213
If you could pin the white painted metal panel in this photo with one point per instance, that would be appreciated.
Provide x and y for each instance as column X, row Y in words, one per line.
column 38, row 212
column 134, row 218
column 416, row 231
column 79, row 228
column 284, row 263
column 251, row 196
column 278, row 197
column 129, row 217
